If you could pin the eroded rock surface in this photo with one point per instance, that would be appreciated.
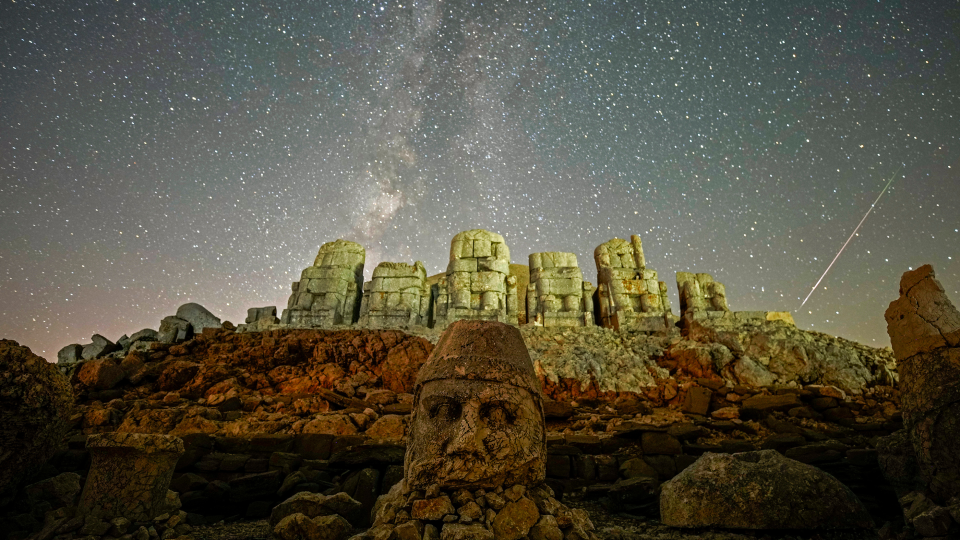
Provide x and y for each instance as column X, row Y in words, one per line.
column 924, row 329
column 759, row 490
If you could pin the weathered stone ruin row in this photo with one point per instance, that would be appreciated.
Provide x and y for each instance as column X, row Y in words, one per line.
column 478, row 285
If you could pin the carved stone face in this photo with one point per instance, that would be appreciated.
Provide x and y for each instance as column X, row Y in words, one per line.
column 475, row 434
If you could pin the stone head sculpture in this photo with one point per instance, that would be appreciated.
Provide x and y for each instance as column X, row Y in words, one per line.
column 477, row 419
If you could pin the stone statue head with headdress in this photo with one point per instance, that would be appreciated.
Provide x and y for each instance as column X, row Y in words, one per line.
column 477, row 419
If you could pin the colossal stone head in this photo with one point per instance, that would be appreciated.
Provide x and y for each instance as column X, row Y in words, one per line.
column 477, row 419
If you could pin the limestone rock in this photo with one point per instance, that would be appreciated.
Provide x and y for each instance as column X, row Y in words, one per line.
column 557, row 295
column 477, row 284
column 763, row 352
column 59, row 491
column 759, row 490
column 630, row 296
column 174, row 329
column 924, row 329
column 259, row 319
column 147, row 334
column 699, row 292
column 516, row 519
column 35, row 403
column 329, row 292
column 101, row 346
column 71, row 354
column 301, row 527
column 198, row 317
column 313, row 505
column 130, row 475
column 100, row 374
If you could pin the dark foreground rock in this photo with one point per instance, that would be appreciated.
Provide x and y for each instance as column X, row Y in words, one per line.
column 924, row 329
column 35, row 403
column 759, row 490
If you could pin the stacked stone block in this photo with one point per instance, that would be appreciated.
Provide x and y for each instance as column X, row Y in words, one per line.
column 397, row 296
column 329, row 292
column 699, row 292
column 557, row 294
column 477, row 284
column 630, row 296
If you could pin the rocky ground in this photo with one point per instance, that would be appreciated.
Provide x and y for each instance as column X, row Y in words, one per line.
column 266, row 414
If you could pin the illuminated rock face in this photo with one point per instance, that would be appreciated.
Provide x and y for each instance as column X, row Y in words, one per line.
column 630, row 296
column 477, row 284
column 328, row 292
column 924, row 329
column 557, row 294
column 397, row 296
column 700, row 293
column 477, row 419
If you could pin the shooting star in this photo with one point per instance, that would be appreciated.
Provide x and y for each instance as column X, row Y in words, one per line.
column 884, row 190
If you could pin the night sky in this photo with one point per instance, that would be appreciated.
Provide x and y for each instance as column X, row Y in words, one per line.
column 155, row 153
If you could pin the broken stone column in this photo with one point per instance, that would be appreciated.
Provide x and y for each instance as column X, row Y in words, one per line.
column 557, row 294
column 629, row 293
column 924, row 329
column 129, row 475
column 397, row 296
column 477, row 284
column 700, row 293
column 329, row 292
column 476, row 461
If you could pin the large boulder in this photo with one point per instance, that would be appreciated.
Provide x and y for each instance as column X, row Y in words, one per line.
column 35, row 404
column 101, row 346
column 759, row 490
column 924, row 329
column 198, row 317
column 71, row 354
column 174, row 329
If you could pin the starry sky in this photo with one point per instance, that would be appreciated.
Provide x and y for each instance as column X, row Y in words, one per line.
column 154, row 152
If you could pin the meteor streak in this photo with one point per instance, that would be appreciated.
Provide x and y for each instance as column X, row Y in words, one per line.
column 884, row 190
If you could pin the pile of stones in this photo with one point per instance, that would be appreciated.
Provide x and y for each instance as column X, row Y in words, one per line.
column 498, row 514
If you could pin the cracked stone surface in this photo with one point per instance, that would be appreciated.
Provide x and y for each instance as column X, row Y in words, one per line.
column 924, row 329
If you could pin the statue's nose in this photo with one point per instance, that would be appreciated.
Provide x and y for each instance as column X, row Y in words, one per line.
column 468, row 436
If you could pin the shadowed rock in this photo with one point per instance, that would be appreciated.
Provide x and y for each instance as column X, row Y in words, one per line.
column 924, row 329
column 35, row 403
column 129, row 475
column 759, row 490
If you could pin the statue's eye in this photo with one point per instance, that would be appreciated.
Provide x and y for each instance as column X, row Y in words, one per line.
column 444, row 409
column 498, row 414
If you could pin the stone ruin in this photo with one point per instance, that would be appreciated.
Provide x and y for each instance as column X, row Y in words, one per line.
column 557, row 294
column 397, row 296
column 329, row 292
column 700, row 294
column 475, row 463
column 629, row 294
column 477, row 284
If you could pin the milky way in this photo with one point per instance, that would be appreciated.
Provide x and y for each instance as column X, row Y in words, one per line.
column 155, row 153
